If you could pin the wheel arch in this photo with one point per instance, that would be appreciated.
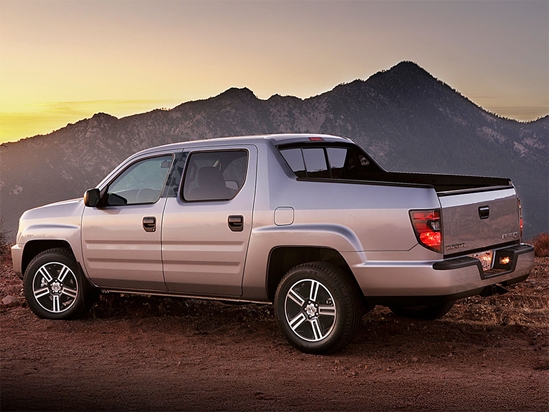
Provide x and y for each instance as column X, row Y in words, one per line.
column 283, row 258
column 34, row 247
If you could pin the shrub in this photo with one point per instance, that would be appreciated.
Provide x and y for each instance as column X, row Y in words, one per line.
column 4, row 242
column 541, row 245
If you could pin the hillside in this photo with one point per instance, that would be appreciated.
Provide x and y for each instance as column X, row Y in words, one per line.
column 404, row 117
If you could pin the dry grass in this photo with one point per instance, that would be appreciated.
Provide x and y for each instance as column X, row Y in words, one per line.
column 541, row 245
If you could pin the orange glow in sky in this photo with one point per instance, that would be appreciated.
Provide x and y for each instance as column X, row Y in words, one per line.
column 63, row 61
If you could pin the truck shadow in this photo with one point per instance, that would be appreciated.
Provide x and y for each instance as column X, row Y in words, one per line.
column 382, row 334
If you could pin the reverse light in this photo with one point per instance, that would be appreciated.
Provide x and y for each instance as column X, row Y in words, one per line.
column 428, row 228
column 504, row 260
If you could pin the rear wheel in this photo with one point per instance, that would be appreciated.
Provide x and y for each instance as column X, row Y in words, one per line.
column 55, row 288
column 318, row 307
column 428, row 312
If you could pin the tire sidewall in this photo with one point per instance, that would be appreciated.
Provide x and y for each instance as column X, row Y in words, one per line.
column 326, row 275
column 54, row 256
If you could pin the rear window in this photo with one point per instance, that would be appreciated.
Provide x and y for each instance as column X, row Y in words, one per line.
column 328, row 162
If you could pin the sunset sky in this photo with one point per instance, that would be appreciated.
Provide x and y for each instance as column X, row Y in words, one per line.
column 63, row 61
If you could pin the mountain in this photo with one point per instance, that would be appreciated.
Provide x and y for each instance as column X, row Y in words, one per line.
column 404, row 117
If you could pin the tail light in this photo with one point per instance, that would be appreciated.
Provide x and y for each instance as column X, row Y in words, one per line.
column 428, row 228
column 521, row 225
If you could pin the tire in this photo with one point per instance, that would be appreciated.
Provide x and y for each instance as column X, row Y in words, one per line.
column 55, row 288
column 427, row 312
column 318, row 308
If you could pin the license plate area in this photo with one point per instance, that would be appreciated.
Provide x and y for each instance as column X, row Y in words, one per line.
column 486, row 259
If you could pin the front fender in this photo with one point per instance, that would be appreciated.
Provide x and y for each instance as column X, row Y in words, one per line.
column 35, row 239
column 46, row 227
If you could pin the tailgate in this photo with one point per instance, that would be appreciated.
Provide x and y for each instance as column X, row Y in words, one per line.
column 479, row 220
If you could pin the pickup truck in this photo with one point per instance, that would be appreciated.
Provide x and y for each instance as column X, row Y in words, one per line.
column 309, row 223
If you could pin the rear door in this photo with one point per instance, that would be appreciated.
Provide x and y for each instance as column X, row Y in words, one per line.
column 207, row 226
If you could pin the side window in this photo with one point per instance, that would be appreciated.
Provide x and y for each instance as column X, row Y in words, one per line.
column 307, row 161
column 337, row 162
column 315, row 161
column 140, row 183
column 215, row 175
column 294, row 158
column 342, row 163
column 337, row 156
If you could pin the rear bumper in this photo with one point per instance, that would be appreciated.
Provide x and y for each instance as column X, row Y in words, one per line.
column 449, row 279
column 512, row 253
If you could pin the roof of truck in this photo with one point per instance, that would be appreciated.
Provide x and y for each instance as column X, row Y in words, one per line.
column 276, row 139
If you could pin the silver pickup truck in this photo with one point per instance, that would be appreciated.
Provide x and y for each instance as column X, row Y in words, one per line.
column 308, row 222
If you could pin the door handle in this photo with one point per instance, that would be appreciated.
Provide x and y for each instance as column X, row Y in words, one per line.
column 236, row 223
column 484, row 212
column 149, row 224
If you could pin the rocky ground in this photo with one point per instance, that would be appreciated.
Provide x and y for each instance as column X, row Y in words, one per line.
column 146, row 353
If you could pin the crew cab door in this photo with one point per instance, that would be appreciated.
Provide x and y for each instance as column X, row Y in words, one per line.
column 207, row 226
column 121, row 237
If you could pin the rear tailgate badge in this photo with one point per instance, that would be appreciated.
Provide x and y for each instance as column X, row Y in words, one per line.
column 512, row 235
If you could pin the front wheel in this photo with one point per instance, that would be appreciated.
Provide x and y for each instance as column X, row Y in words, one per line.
column 318, row 307
column 55, row 288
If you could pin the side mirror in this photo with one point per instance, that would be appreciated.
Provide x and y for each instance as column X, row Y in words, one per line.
column 116, row 200
column 92, row 198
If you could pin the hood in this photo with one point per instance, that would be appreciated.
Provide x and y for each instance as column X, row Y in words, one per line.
column 58, row 209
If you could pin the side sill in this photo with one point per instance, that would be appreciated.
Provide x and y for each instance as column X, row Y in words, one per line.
column 176, row 295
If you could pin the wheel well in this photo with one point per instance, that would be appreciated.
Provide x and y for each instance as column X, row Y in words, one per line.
column 35, row 247
column 283, row 258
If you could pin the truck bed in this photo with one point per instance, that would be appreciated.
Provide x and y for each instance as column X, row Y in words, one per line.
column 443, row 184
column 478, row 213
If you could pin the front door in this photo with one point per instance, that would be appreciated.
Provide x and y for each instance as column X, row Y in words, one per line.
column 121, row 237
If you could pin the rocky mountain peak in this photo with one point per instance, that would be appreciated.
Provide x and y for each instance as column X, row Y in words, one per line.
column 235, row 93
column 404, row 117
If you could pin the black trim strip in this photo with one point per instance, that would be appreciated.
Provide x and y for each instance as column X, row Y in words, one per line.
column 458, row 263
column 363, row 182
column 474, row 190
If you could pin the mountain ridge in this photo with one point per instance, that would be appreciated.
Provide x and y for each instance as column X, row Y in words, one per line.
column 404, row 117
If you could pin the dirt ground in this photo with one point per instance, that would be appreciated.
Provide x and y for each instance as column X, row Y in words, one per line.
column 136, row 353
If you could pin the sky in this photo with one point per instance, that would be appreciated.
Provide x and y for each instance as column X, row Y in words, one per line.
column 63, row 61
